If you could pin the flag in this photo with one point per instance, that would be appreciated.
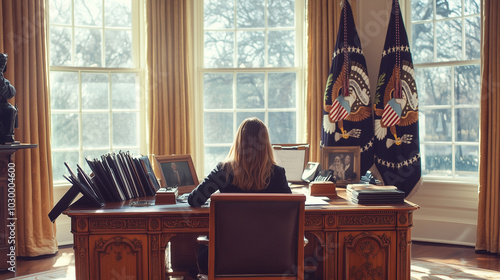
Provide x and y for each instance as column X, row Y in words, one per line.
column 397, row 152
column 347, row 111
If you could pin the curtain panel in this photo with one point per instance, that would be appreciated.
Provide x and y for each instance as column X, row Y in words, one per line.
column 23, row 39
column 488, row 224
column 170, row 90
column 323, row 22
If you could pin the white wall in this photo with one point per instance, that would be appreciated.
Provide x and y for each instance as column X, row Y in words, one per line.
column 448, row 210
column 63, row 222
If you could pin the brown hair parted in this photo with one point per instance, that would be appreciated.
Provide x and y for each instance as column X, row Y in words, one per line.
column 251, row 157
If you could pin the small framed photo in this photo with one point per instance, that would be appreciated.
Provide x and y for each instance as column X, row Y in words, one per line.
column 344, row 162
column 177, row 171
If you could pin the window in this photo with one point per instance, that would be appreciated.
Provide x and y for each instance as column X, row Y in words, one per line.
column 251, row 67
column 95, row 79
column 445, row 37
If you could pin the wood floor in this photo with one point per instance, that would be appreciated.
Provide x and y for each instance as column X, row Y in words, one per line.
column 450, row 254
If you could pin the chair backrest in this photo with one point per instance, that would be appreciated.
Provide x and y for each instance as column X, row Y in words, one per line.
column 256, row 235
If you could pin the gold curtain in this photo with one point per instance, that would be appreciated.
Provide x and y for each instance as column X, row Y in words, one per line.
column 323, row 20
column 488, row 224
column 23, row 39
column 170, row 92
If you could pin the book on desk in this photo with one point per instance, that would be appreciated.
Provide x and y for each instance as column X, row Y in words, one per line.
column 374, row 194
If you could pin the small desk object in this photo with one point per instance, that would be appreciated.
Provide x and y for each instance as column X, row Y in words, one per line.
column 346, row 240
column 7, row 170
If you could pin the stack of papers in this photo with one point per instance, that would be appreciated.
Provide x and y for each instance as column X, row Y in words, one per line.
column 374, row 194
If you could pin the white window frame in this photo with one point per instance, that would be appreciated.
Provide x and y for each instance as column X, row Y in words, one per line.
column 473, row 180
column 300, row 69
column 139, row 58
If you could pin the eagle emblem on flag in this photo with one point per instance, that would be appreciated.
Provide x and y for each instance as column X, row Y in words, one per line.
column 398, row 111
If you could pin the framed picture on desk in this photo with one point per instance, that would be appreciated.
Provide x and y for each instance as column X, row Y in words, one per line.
column 344, row 162
column 177, row 171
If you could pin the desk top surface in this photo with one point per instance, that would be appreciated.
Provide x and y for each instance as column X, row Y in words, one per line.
column 126, row 208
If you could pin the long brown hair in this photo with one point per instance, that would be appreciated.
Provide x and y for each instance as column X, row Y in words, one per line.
column 251, row 157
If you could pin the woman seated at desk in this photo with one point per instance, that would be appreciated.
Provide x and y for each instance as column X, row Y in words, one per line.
column 249, row 167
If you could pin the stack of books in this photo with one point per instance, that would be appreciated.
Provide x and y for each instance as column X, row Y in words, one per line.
column 374, row 194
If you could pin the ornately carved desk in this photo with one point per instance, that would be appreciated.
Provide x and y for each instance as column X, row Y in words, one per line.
column 347, row 241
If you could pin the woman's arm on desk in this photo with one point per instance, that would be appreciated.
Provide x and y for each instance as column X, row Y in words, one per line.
column 216, row 180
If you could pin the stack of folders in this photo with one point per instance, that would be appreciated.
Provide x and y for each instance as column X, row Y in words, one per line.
column 117, row 177
column 374, row 194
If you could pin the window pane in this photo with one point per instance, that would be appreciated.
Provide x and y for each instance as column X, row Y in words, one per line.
column 118, row 13
column 251, row 49
column 471, row 7
column 60, row 46
column 282, row 128
column 422, row 42
column 95, row 130
column 125, row 129
column 64, row 90
column 95, row 91
column 467, row 84
column 218, row 14
column 435, row 124
column 437, row 160
column 219, row 49
column 448, row 8
column 60, row 157
column 65, row 131
column 282, row 90
column 467, row 120
column 250, row 13
column 125, row 91
column 218, row 128
column 88, row 12
column 218, row 91
column 434, row 85
column 240, row 116
column 250, row 90
column 281, row 48
column 473, row 38
column 60, row 11
column 467, row 159
column 118, row 48
column 88, row 47
column 449, row 34
column 422, row 9
column 214, row 155
column 280, row 13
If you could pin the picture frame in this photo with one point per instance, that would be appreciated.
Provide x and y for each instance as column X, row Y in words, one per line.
column 184, row 179
column 336, row 158
column 292, row 157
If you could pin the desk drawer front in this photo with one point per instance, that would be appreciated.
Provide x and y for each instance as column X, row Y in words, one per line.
column 106, row 224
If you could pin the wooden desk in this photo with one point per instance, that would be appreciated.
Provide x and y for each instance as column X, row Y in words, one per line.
column 347, row 241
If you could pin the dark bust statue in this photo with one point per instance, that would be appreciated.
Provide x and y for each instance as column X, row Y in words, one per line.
column 8, row 113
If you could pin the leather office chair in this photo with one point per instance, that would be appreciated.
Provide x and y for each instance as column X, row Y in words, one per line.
column 256, row 235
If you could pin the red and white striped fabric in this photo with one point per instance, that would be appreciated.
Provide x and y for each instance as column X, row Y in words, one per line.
column 390, row 117
column 337, row 112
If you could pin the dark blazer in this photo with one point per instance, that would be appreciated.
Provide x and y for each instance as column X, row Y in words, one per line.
column 218, row 180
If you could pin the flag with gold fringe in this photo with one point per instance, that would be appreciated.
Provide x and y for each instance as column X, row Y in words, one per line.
column 397, row 152
column 347, row 111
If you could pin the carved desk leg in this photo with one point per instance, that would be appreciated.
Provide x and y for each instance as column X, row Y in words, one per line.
column 81, row 248
column 404, row 243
